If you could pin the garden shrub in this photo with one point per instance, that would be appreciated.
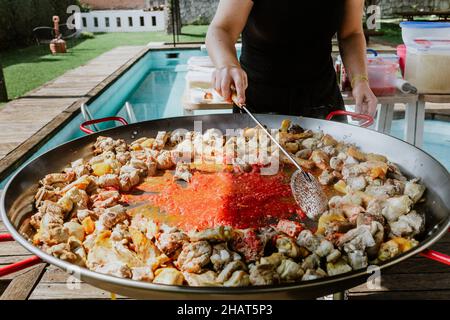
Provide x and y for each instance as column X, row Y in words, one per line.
column 19, row 18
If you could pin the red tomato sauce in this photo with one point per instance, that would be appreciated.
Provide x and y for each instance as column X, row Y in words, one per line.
column 240, row 200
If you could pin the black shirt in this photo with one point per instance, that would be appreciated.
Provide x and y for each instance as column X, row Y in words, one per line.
column 286, row 46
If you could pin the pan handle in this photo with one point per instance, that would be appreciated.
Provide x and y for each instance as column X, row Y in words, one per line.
column 436, row 256
column 369, row 119
column 83, row 126
column 31, row 261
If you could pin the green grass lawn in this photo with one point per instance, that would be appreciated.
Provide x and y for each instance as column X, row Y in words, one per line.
column 392, row 33
column 28, row 68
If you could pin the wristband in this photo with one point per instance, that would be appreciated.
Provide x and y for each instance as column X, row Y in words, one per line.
column 359, row 77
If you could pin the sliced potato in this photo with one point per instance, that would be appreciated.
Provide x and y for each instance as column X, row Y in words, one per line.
column 355, row 153
column 340, row 186
column 101, row 168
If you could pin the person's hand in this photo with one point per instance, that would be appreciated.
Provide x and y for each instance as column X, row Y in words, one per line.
column 226, row 78
column 366, row 101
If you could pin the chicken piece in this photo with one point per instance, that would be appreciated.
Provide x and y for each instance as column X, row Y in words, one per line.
column 105, row 199
column 120, row 233
column 353, row 170
column 171, row 242
column 218, row 234
column 182, row 172
column 46, row 193
column 357, row 259
column 328, row 140
column 123, row 157
column 326, row 178
column 292, row 147
column 229, row 269
column 105, row 144
column 169, row 276
column 274, row 259
column 248, row 244
column 263, row 274
column 356, row 183
column 310, row 143
column 312, row 274
column 408, row 225
column 287, row 246
column 57, row 180
column 160, row 140
column 82, row 183
column 205, row 279
column 334, row 255
column 79, row 167
column 51, row 230
column 84, row 213
column 62, row 251
column 414, row 190
column 336, row 163
column 221, row 256
column 146, row 250
column 357, row 154
column 359, row 238
column 395, row 207
column 239, row 278
column 75, row 230
column 381, row 192
column 164, row 160
column 110, row 217
column 367, row 218
column 129, row 177
column 311, row 262
column 142, row 274
column 324, row 249
column 374, row 207
column 338, row 267
column 46, row 206
column 109, row 181
column 328, row 218
column 194, row 256
column 79, row 198
column 304, row 154
column 308, row 240
column 291, row 228
column 289, row 271
column 321, row 159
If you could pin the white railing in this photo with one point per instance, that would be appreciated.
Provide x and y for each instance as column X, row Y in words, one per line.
column 120, row 21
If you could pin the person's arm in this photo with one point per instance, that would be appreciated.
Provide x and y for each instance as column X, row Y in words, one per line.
column 352, row 46
column 223, row 33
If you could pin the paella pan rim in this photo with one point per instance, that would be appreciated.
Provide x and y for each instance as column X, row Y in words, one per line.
column 87, row 274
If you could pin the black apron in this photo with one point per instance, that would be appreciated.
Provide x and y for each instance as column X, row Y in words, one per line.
column 286, row 52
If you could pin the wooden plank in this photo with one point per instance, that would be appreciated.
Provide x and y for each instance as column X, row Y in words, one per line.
column 408, row 282
column 401, row 295
column 44, row 291
column 21, row 287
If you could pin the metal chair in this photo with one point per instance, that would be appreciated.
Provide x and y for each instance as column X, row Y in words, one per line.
column 43, row 35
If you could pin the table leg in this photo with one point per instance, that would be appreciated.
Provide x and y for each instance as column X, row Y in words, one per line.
column 389, row 118
column 381, row 118
column 420, row 123
column 410, row 122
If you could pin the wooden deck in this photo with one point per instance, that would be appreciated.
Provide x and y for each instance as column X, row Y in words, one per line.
column 416, row 278
column 26, row 122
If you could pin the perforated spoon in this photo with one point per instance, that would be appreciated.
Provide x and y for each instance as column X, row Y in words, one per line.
column 307, row 191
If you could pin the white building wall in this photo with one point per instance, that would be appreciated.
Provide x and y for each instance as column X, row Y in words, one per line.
column 153, row 21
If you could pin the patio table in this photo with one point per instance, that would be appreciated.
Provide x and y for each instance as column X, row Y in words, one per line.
column 414, row 114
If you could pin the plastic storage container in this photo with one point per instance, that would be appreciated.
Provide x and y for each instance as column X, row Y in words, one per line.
column 413, row 31
column 428, row 69
column 383, row 73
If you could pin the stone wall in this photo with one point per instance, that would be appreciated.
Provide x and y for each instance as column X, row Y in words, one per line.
column 197, row 11
column 115, row 4
column 389, row 7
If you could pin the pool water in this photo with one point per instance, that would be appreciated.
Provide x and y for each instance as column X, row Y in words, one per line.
column 154, row 87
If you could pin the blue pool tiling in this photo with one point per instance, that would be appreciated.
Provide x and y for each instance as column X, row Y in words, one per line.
column 155, row 84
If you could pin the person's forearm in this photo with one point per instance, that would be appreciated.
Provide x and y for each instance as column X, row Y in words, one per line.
column 221, row 47
column 353, row 52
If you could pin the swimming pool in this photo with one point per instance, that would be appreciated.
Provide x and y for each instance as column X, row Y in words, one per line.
column 154, row 87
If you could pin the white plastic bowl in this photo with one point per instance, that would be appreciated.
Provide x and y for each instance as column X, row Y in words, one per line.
column 423, row 30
